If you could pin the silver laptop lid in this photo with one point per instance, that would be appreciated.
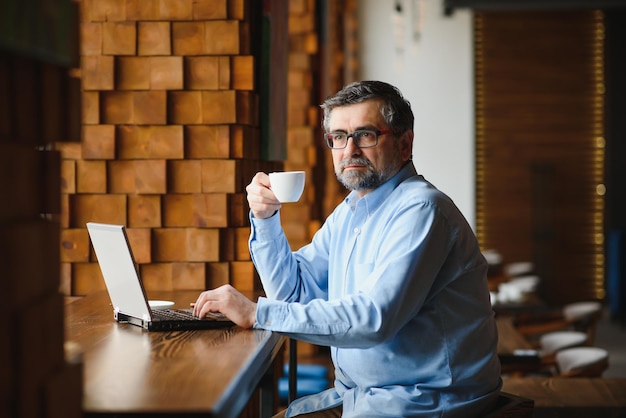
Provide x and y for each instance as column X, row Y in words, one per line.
column 115, row 258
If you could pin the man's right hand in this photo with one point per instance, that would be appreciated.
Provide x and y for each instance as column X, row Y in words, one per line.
column 261, row 199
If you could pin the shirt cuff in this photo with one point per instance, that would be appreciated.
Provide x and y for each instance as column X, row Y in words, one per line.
column 267, row 229
column 263, row 317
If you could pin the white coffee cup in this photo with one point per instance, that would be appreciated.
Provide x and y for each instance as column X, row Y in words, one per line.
column 287, row 185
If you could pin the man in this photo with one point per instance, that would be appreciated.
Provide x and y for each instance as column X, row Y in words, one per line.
column 394, row 281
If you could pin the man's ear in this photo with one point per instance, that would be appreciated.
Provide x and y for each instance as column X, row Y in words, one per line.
column 406, row 145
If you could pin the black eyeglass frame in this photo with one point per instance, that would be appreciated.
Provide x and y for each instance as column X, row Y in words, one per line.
column 356, row 136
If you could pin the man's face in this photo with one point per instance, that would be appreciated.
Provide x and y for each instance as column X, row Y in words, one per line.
column 364, row 169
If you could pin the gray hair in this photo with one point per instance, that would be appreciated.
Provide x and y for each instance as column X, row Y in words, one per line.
column 396, row 110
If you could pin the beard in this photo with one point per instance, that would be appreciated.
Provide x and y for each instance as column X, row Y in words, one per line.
column 363, row 180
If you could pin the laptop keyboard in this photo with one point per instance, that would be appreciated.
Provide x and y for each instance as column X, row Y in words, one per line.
column 185, row 315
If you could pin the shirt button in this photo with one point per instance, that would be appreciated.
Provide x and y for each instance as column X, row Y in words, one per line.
column 357, row 230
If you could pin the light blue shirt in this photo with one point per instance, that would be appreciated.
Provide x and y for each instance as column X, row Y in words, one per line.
column 395, row 284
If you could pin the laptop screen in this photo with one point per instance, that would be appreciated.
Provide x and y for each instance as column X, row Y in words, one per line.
column 116, row 262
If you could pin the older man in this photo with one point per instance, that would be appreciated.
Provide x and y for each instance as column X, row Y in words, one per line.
column 394, row 281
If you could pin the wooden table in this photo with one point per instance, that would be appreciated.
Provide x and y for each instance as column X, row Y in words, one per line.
column 209, row 373
column 572, row 397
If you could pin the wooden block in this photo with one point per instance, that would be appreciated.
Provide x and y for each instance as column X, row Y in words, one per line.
column 189, row 38
column 299, row 60
column 300, row 98
column 151, row 176
column 247, row 105
column 236, row 9
column 98, row 142
column 30, row 261
column 137, row 176
column 97, row 73
column 104, row 10
column 227, row 244
column 207, row 141
column 154, row 38
column 150, row 142
column 238, row 209
column 221, row 37
column 90, row 106
column 116, row 107
column 132, row 73
column 121, row 176
column 144, row 211
column 74, row 245
column 169, row 244
column 243, row 72
column 33, row 361
column 301, row 23
column 210, row 210
column 7, row 359
column 119, row 38
column 64, row 217
column 224, row 73
column 91, row 38
column 189, row 276
column 142, row 9
column 246, row 142
column 87, row 279
column 69, row 150
column 63, row 391
column 141, row 244
column 150, row 107
column 68, row 176
column 202, row 73
column 220, row 176
column 202, row 244
column 108, row 208
column 65, row 286
column 91, row 176
column 184, row 176
column 156, row 276
column 176, row 9
column 199, row 210
column 50, row 181
column 298, row 7
column 53, row 98
column 185, row 107
column 218, row 274
column 210, row 9
column 243, row 276
column 219, row 107
column 242, row 253
column 186, row 244
column 166, row 73
column 178, row 210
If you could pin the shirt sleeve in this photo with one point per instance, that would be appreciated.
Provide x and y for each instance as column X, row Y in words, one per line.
column 288, row 276
column 388, row 292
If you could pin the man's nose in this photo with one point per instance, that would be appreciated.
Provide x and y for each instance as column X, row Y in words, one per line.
column 351, row 147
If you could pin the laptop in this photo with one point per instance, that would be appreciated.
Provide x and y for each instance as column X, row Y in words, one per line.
column 128, row 296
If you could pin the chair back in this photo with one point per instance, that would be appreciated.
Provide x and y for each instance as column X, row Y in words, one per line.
column 512, row 406
column 552, row 342
column 582, row 362
column 584, row 317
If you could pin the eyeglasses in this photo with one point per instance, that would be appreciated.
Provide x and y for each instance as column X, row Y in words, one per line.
column 363, row 138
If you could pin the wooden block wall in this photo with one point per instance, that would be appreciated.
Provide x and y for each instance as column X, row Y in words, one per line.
column 32, row 355
column 302, row 120
column 170, row 139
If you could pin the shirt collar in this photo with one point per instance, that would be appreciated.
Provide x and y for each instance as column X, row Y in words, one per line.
column 376, row 197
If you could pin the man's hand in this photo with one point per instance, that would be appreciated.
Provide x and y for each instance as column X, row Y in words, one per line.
column 261, row 199
column 228, row 301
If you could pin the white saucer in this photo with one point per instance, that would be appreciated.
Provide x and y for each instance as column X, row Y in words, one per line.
column 160, row 304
